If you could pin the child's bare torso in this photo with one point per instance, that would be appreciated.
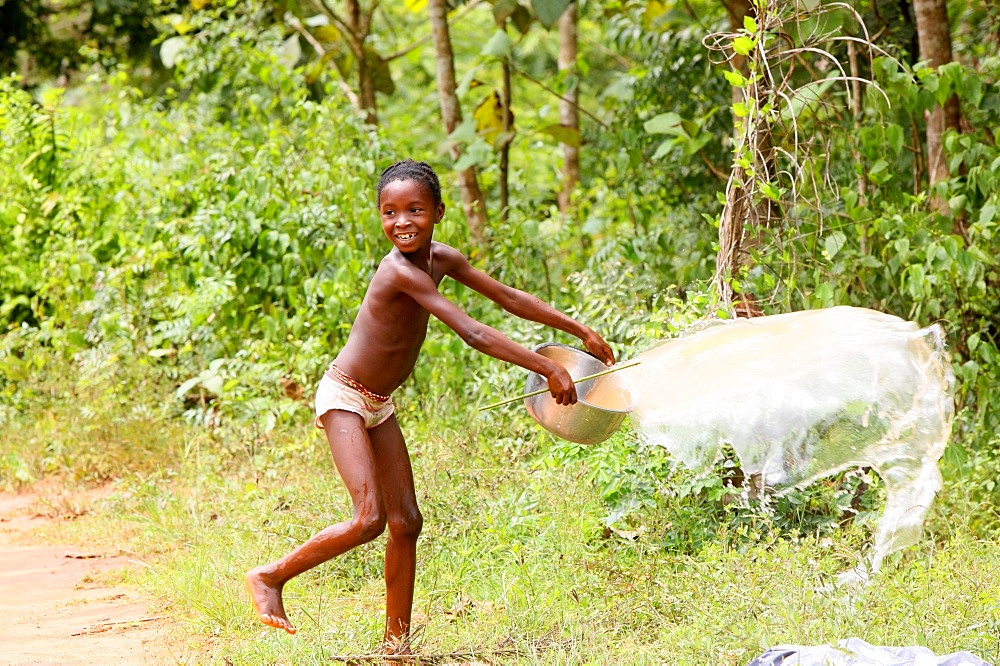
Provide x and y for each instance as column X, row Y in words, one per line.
column 385, row 340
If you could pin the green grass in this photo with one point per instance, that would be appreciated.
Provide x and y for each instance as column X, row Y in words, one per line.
column 515, row 562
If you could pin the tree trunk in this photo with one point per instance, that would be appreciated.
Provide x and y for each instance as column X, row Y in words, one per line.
column 934, row 37
column 451, row 112
column 505, row 106
column 355, row 28
column 569, row 115
column 359, row 24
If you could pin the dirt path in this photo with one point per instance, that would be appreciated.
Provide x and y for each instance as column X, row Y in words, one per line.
column 55, row 609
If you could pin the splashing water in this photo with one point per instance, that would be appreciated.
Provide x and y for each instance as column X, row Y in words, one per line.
column 801, row 396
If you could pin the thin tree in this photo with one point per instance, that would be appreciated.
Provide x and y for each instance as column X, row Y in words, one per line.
column 507, row 126
column 355, row 25
column 451, row 112
column 569, row 114
column 934, row 37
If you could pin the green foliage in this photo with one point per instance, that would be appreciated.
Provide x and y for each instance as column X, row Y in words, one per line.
column 160, row 235
column 192, row 259
column 236, row 63
column 44, row 39
column 884, row 250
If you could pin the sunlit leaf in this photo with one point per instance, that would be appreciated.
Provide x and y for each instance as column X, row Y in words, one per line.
column 569, row 136
column 833, row 243
column 664, row 123
column 489, row 116
column 290, row 52
column 187, row 386
column 316, row 20
column 170, row 49
column 326, row 33
column 743, row 45
column 735, row 78
column 770, row 191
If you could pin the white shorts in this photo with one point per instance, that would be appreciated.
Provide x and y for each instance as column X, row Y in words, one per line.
column 332, row 394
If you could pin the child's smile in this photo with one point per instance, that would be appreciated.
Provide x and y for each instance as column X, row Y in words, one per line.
column 409, row 213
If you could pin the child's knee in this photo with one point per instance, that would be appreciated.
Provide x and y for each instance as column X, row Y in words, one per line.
column 370, row 524
column 406, row 524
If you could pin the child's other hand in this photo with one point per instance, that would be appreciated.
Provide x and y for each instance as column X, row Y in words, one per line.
column 561, row 386
column 596, row 345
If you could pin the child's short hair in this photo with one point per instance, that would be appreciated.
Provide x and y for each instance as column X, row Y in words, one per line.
column 409, row 170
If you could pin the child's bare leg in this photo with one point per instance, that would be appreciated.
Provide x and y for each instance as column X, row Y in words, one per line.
column 404, row 519
column 354, row 458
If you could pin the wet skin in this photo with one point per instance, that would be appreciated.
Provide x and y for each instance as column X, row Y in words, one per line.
column 375, row 467
column 381, row 352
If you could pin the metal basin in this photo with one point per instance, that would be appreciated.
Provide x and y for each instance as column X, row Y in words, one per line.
column 583, row 422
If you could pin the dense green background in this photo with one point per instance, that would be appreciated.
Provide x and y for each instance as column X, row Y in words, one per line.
column 186, row 246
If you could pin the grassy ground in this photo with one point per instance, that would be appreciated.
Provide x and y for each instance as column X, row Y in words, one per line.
column 515, row 563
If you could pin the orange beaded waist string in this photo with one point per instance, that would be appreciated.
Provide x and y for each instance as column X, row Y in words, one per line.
column 339, row 375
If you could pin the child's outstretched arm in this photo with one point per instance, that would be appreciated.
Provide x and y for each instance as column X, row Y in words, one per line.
column 527, row 306
column 486, row 339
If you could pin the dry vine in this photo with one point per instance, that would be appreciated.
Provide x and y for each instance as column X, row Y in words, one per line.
column 778, row 164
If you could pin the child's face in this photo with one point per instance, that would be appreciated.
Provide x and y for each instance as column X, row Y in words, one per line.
column 409, row 214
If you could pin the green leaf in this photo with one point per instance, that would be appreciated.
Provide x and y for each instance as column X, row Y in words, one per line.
column 987, row 213
column 213, row 383
column 894, row 137
column 749, row 24
column 503, row 10
column 187, row 386
column 664, row 148
column 690, row 128
column 498, row 46
column 467, row 160
column 770, row 191
column 970, row 89
column 879, row 173
column 522, row 19
column 549, row 11
column 464, row 132
column 665, row 123
column 735, row 78
column 743, row 45
column 833, row 243
column 563, row 134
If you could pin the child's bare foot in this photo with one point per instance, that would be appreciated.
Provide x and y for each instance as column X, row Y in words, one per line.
column 266, row 599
